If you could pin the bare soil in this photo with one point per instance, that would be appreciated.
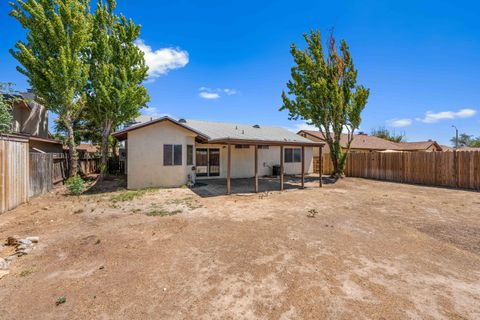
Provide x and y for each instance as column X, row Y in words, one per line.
column 372, row 250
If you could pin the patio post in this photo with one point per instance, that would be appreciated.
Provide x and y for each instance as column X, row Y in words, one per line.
column 303, row 167
column 229, row 165
column 281, row 168
column 256, row 168
column 320, row 159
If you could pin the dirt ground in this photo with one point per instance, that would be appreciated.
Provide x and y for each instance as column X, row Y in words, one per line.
column 373, row 250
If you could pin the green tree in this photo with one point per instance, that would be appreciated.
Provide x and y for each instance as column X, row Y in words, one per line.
column 115, row 91
column 6, row 100
column 324, row 93
column 466, row 140
column 53, row 57
column 384, row 133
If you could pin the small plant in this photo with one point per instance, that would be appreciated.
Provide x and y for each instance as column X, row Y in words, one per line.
column 128, row 195
column 312, row 213
column 26, row 272
column 75, row 185
column 61, row 300
column 162, row 212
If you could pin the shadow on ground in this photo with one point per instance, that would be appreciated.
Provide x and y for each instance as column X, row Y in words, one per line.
column 218, row 187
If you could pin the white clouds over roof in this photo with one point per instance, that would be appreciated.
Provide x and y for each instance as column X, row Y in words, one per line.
column 162, row 60
column 432, row 117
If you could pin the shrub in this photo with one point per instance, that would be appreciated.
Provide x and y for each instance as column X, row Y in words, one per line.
column 75, row 185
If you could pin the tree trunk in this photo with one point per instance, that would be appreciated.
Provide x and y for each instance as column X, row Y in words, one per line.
column 107, row 128
column 338, row 164
column 72, row 149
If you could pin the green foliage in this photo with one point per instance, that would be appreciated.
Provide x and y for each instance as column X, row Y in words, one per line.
column 53, row 56
column 6, row 101
column 466, row 140
column 162, row 212
column 324, row 93
column 115, row 90
column 128, row 195
column 384, row 133
column 75, row 185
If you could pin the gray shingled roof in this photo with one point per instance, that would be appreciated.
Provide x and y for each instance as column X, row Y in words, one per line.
column 224, row 130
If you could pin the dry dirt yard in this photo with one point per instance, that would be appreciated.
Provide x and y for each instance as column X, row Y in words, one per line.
column 373, row 250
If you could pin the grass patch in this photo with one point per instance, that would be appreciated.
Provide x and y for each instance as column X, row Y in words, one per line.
column 160, row 212
column 26, row 272
column 129, row 195
column 189, row 202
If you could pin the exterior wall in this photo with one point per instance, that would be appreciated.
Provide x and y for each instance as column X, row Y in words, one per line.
column 243, row 161
column 145, row 156
column 33, row 122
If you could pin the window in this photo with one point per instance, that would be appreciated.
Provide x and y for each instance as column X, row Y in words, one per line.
column 263, row 147
column 189, row 155
column 242, row 146
column 172, row 154
column 293, row 155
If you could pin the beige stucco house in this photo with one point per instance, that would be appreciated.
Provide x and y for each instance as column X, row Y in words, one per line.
column 30, row 120
column 167, row 153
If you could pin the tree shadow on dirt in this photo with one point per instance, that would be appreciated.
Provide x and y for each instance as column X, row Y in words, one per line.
column 110, row 183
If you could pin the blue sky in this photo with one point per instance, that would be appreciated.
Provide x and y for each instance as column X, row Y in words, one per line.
column 230, row 60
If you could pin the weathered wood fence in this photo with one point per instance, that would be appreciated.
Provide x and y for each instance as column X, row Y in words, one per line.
column 48, row 169
column 447, row 169
column 13, row 172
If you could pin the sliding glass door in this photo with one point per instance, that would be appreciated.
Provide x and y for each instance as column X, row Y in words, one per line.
column 207, row 162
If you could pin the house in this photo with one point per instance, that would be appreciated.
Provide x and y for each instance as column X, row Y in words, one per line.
column 422, row 146
column 166, row 153
column 365, row 143
column 85, row 150
column 30, row 120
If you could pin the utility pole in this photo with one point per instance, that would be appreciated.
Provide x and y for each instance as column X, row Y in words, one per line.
column 456, row 136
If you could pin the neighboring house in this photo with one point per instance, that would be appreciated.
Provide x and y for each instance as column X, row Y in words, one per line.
column 85, row 150
column 448, row 148
column 424, row 146
column 365, row 143
column 30, row 119
column 165, row 152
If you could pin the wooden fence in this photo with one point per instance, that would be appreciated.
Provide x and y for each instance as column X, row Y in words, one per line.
column 48, row 169
column 447, row 169
column 13, row 172
column 41, row 173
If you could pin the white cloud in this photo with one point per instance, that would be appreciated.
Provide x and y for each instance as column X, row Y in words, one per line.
column 432, row 117
column 209, row 93
column 397, row 123
column 161, row 61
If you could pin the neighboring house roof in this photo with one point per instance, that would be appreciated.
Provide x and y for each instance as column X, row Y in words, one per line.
column 222, row 132
column 417, row 146
column 85, row 147
column 448, row 148
column 360, row 141
column 366, row 142
column 90, row 148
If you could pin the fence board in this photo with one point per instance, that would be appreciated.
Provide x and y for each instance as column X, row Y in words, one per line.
column 13, row 172
column 447, row 169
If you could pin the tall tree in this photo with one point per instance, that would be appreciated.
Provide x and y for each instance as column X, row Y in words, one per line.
column 6, row 101
column 323, row 92
column 116, row 93
column 384, row 133
column 466, row 140
column 53, row 57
